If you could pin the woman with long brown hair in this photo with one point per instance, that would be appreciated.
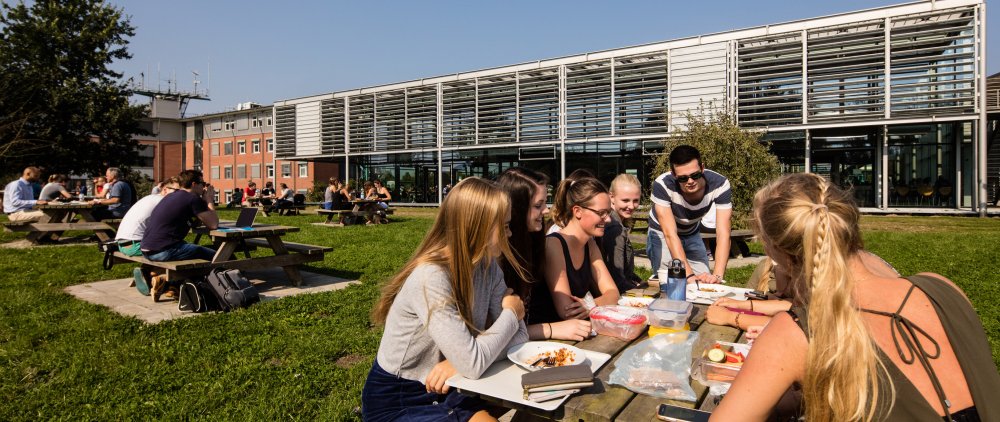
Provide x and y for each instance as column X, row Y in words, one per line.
column 866, row 347
column 448, row 311
column 527, row 190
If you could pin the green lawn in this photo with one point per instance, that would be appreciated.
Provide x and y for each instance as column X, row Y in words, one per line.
column 302, row 357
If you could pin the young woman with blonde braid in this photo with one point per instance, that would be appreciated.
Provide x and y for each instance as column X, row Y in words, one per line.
column 448, row 311
column 867, row 347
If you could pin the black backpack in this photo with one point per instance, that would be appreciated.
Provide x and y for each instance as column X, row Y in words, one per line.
column 232, row 289
column 196, row 296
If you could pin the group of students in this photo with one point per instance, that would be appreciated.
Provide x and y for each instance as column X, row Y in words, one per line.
column 338, row 196
column 487, row 277
column 22, row 195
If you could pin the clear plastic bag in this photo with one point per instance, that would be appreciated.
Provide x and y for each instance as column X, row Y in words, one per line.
column 659, row 366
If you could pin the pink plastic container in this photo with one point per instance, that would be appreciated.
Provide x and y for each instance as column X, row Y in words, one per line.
column 623, row 322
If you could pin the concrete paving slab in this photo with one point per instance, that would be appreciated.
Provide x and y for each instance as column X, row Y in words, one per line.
column 273, row 284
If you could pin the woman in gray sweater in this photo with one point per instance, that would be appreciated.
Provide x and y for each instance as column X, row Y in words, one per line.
column 447, row 312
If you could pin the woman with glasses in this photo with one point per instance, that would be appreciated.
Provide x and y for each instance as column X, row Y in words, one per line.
column 574, row 268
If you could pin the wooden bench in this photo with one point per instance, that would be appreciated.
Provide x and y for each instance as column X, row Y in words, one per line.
column 56, row 227
column 292, row 209
column 330, row 214
column 294, row 247
column 174, row 270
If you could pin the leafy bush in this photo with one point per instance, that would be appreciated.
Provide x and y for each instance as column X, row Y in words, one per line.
column 317, row 192
column 737, row 153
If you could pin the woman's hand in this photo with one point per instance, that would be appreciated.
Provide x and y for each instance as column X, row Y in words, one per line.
column 514, row 303
column 572, row 329
column 578, row 309
column 732, row 303
column 438, row 375
column 719, row 315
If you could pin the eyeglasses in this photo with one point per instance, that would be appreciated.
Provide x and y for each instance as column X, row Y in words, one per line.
column 695, row 176
column 600, row 213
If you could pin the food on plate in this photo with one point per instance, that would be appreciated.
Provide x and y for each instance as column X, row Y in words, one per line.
column 716, row 355
column 708, row 290
column 726, row 356
column 553, row 358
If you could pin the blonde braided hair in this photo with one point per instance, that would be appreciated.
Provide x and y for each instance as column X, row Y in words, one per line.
column 816, row 225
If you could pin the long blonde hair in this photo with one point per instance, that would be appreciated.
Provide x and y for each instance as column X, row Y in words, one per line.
column 470, row 222
column 816, row 224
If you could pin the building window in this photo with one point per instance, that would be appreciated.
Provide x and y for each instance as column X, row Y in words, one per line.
column 215, row 173
column 241, row 146
column 227, row 148
column 268, row 121
column 241, row 171
column 270, row 171
column 215, row 148
column 229, row 196
column 303, row 170
column 270, row 144
column 286, row 170
column 256, row 121
column 254, row 170
column 255, row 146
column 227, row 172
column 231, row 125
column 215, row 197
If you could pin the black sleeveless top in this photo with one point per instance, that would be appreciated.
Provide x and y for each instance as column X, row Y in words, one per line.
column 968, row 340
column 581, row 281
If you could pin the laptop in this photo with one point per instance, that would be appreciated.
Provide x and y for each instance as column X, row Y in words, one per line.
column 244, row 221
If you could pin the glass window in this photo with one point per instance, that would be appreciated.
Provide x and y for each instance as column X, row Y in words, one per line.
column 242, row 147
column 254, row 170
column 270, row 171
column 790, row 148
column 227, row 172
column 227, row 148
column 268, row 121
column 228, row 194
column 255, row 146
column 215, row 148
column 286, row 170
column 230, row 125
column 846, row 156
column 922, row 165
column 270, row 144
column 303, row 170
column 410, row 177
column 215, row 173
column 215, row 197
column 241, row 171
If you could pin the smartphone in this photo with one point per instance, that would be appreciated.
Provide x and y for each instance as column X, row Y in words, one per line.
column 756, row 294
column 668, row 412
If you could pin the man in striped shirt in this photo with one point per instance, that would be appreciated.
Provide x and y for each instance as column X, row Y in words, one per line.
column 681, row 198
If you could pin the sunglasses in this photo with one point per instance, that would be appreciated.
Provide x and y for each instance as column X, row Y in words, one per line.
column 693, row 176
column 600, row 213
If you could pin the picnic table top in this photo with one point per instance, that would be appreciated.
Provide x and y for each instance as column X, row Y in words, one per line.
column 68, row 205
column 258, row 230
column 606, row 402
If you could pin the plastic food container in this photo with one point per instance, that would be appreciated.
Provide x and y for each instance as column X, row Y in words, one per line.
column 666, row 313
column 618, row 321
column 709, row 372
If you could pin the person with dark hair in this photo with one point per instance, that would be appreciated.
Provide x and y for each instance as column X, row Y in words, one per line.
column 574, row 268
column 118, row 196
column 55, row 189
column 527, row 190
column 681, row 198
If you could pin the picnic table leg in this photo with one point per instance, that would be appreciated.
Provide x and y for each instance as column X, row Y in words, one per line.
column 225, row 251
column 47, row 216
column 102, row 235
column 291, row 271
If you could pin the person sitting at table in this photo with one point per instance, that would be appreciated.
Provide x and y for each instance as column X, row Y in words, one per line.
column 19, row 200
column 99, row 183
column 235, row 199
column 118, row 197
column 81, row 188
column 576, row 174
column 574, row 268
column 55, row 189
column 616, row 248
column 132, row 229
column 250, row 192
column 336, row 196
column 171, row 221
column 855, row 349
column 447, row 312
column 527, row 190
column 285, row 199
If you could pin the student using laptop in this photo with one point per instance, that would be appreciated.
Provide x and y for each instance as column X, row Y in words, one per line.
column 171, row 221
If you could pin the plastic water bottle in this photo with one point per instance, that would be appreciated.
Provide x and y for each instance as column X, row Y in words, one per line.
column 677, row 281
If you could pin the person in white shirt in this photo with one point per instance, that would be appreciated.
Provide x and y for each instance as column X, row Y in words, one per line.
column 133, row 224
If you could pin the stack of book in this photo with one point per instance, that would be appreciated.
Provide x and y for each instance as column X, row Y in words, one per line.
column 552, row 383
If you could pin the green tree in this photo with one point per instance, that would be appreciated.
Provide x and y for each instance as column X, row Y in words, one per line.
column 62, row 107
column 737, row 153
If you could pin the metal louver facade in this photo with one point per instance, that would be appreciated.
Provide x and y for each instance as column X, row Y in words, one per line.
column 896, row 65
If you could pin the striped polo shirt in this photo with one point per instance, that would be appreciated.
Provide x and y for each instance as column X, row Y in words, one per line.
column 666, row 192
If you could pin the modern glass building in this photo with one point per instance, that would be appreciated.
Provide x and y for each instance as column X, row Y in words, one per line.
column 887, row 101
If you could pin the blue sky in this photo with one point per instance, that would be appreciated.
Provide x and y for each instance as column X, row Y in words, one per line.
column 264, row 51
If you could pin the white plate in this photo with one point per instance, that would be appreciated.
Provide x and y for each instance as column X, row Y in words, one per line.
column 635, row 302
column 722, row 290
column 525, row 354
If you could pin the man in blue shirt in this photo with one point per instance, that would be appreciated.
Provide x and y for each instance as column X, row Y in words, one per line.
column 119, row 196
column 19, row 198
column 681, row 198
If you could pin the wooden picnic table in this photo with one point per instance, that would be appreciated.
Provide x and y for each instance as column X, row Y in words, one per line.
column 366, row 208
column 59, row 217
column 607, row 402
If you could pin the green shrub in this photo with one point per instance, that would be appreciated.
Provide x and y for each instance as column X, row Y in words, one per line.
column 316, row 192
column 737, row 153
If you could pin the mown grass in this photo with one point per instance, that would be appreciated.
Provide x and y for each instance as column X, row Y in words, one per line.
column 302, row 357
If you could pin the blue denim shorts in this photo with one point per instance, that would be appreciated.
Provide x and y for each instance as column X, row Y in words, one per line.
column 387, row 397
